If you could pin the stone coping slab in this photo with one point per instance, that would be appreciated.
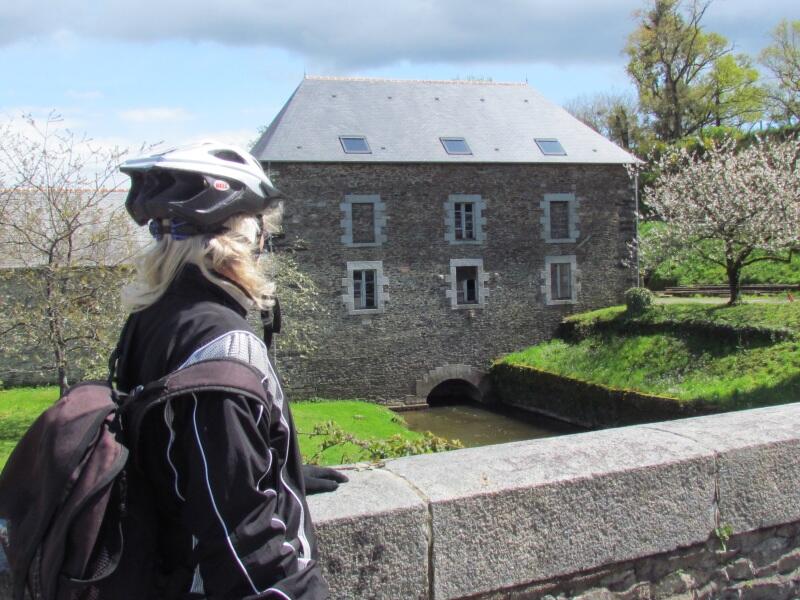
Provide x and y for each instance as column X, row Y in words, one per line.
column 502, row 516
column 758, row 463
column 374, row 537
column 509, row 514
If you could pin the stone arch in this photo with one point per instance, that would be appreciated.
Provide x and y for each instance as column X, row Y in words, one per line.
column 439, row 375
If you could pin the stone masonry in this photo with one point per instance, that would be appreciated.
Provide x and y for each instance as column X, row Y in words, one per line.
column 384, row 356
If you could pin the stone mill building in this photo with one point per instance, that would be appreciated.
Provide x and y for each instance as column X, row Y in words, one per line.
column 444, row 223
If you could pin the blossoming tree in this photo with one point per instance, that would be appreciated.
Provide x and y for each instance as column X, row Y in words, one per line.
column 730, row 206
column 63, row 236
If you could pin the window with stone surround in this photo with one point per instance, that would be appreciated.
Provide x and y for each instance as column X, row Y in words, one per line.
column 560, row 277
column 363, row 220
column 363, row 286
column 464, row 221
column 364, row 295
column 559, row 218
column 467, row 283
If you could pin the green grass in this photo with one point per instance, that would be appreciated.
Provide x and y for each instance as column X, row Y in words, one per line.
column 779, row 315
column 19, row 407
column 689, row 367
column 690, row 270
column 364, row 420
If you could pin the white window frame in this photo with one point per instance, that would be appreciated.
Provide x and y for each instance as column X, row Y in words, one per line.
column 381, row 295
column 445, row 140
column 547, row 289
column 342, row 139
column 572, row 208
column 540, row 141
column 378, row 215
column 478, row 220
column 482, row 292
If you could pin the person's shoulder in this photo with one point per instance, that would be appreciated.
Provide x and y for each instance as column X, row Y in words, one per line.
column 226, row 334
column 219, row 318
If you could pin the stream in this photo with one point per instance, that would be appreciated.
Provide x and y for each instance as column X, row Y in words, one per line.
column 476, row 425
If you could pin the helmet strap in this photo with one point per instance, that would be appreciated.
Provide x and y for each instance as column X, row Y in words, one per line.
column 179, row 230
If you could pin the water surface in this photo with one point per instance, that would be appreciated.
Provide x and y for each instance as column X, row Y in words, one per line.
column 475, row 425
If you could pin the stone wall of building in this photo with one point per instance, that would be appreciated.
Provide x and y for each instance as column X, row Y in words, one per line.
column 381, row 356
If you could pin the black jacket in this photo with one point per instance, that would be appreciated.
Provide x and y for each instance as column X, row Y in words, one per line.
column 226, row 471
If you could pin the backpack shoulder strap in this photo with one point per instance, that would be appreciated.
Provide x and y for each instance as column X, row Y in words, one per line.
column 225, row 375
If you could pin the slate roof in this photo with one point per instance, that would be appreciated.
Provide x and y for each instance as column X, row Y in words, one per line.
column 403, row 121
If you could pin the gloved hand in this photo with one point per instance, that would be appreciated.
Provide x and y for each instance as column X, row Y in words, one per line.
column 321, row 479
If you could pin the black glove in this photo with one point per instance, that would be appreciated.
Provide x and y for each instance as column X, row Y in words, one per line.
column 321, row 479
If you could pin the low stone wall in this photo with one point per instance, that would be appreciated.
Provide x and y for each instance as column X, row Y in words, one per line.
column 584, row 403
column 707, row 507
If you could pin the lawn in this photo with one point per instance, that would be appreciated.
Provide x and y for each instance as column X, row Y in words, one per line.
column 779, row 315
column 364, row 420
column 19, row 407
column 686, row 365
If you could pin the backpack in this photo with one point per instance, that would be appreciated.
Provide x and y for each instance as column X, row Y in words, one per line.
column 81, row 519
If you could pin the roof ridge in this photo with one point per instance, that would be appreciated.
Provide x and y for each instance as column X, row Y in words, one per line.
column 435, row 81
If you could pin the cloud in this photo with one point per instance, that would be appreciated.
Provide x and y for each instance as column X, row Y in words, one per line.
column 351, row 34
column 148, row 115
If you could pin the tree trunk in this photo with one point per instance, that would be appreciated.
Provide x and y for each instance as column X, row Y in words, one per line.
column 63, row 384
column 734, row 270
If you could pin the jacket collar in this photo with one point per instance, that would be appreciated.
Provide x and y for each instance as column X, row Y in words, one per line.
column 190, row 282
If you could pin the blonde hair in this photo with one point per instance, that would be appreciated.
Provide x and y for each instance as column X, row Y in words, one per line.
column 226, row 259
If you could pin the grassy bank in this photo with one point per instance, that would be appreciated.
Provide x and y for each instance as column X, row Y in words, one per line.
column 363, row 420
column 318, row 423
column 732, row 357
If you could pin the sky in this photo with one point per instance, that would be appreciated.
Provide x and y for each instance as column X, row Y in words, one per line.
column 176, row 71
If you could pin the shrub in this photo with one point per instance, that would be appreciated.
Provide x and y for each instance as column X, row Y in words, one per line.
column 638, row 300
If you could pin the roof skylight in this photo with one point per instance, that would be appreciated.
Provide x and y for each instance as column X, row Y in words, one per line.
column 355, row 144
column 455, row 145
column 550, row 147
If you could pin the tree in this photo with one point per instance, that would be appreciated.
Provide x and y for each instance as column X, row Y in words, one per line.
column 733, row 98
column 304, row 314
column 63, row 239
column 782, row 58
column 686, row 78
column 615, row 116
column 729, row 206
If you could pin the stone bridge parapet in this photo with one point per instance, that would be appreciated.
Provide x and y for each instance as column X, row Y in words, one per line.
column 706, row 507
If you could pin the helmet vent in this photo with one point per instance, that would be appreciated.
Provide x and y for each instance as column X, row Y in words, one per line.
column 229, row 155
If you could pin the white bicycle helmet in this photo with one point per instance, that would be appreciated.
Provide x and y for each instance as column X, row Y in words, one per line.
column 197, row 187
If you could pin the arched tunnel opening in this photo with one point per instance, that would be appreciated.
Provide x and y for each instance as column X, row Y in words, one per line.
column 454, row 391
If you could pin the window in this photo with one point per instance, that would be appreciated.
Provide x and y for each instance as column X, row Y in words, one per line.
column 354, row 144
column 559, row 218
column 464, row 220
column 454, row 145
column 550, row 147
column 363, row 220
column 560, row 280
column 467, row 283
column 363, row 287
